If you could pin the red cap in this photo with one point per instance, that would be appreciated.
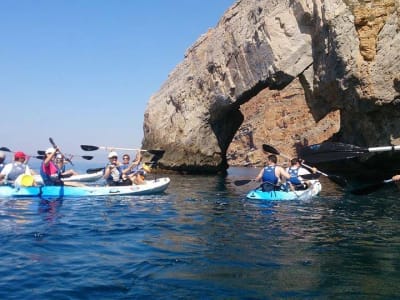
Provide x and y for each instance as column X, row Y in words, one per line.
column 19, row 155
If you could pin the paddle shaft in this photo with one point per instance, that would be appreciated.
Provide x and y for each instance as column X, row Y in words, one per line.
column 55, row 147
column 303, row 164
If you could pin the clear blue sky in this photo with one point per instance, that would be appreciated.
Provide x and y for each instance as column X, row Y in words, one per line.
column 83, row 71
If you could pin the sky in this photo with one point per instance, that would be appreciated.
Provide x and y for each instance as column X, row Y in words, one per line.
column 83, row 71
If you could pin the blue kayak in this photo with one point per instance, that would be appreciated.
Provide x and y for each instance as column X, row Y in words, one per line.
column 312, row 191
column 149, row 187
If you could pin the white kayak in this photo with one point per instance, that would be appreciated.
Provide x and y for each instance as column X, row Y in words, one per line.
column 313, row 190
column 154, row 186
column 76, row 178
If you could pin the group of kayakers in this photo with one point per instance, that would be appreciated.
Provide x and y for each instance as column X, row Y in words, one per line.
column 53, row 169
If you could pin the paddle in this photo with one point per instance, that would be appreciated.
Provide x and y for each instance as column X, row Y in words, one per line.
column 93, row 148
column 8, row 150
column 94, row 170
column 368, row 189
column 87, row 157
column 55, row 147
column 337, row 179
column 330, row 151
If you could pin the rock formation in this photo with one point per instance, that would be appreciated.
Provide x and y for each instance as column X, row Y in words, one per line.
column 281, row 72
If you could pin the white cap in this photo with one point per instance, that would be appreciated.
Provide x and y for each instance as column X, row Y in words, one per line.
column 2, row 154
column 50, row 150
column 112, row 154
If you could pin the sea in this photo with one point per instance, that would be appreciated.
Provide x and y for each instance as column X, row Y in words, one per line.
column 202, row 239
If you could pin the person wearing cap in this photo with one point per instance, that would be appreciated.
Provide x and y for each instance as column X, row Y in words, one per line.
column 113, row 173
column 13, row 170
column 2, row 159
column 60, row 164
column 50, row 171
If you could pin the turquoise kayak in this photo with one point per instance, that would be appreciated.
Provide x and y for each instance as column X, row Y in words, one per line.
column 149, row 187
column 313, row 190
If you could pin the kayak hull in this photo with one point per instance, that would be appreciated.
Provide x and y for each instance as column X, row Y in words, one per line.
column 76, row 178
column 158, row 185
column 312, row 191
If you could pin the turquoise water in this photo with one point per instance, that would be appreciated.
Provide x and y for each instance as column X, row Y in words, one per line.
column 202, row 239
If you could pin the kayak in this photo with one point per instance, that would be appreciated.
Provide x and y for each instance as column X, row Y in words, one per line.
column 312, row 191
column 149, row 187
column 77, row 178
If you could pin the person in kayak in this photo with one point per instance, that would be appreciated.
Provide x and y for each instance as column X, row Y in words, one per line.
column 2, row 159
column 12, row 171
column 296, row 170
column 272, row 176
column 135, row 172
column 113, row 173
column 63, row 172
column 49, row 171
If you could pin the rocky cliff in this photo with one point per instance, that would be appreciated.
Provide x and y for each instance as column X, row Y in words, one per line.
column 285, row 73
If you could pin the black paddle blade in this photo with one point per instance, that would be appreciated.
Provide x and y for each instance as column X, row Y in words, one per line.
column 94, row 170
column 39, row 156
column 5, row 149
column 339, row 180
column 311, row 176
column 242, row 182
column 89, row 148
column 87, row 157
column 270, row 149
column 157, row 152
column 330, row 151
column 368, row 189
column 41, row 152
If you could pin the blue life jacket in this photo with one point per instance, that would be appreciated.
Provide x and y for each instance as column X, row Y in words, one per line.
column 269, row 175
column 16, row 170
column 294, row 176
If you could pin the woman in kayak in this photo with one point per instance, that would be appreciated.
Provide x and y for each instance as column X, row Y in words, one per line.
column 272, row 176
column 2, row 159
column 51, row 173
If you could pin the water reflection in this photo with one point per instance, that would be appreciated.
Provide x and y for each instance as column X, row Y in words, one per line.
column 50, row 209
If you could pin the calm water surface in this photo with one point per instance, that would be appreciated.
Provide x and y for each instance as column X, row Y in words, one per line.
column 202, row 239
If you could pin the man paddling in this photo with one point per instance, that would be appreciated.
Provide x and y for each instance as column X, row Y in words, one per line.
column 272, row 175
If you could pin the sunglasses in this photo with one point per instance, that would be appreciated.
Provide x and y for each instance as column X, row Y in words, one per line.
column 126, row 158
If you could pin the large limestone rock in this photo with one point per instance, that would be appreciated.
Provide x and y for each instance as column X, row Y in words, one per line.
column 333, row 65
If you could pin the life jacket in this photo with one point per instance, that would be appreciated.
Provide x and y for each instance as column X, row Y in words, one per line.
column 269, row 175
column 50, row 174
column 16, row 170
column 294, row 176
column 115, row 175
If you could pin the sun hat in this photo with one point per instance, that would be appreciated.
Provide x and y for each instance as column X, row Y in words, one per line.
column 19, row 155
column 112, row 154
column 50, row 150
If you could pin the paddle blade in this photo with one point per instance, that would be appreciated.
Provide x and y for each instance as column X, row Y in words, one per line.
column 87, row 157
column 330, row 151
column 311, row 176
column 339, row 180
column 270, row 149
column 41, row 152
column 156, row 152
column 242, row 182
column 5, row 149
column 94, row 170
column 370, row 188
column 89, row 148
